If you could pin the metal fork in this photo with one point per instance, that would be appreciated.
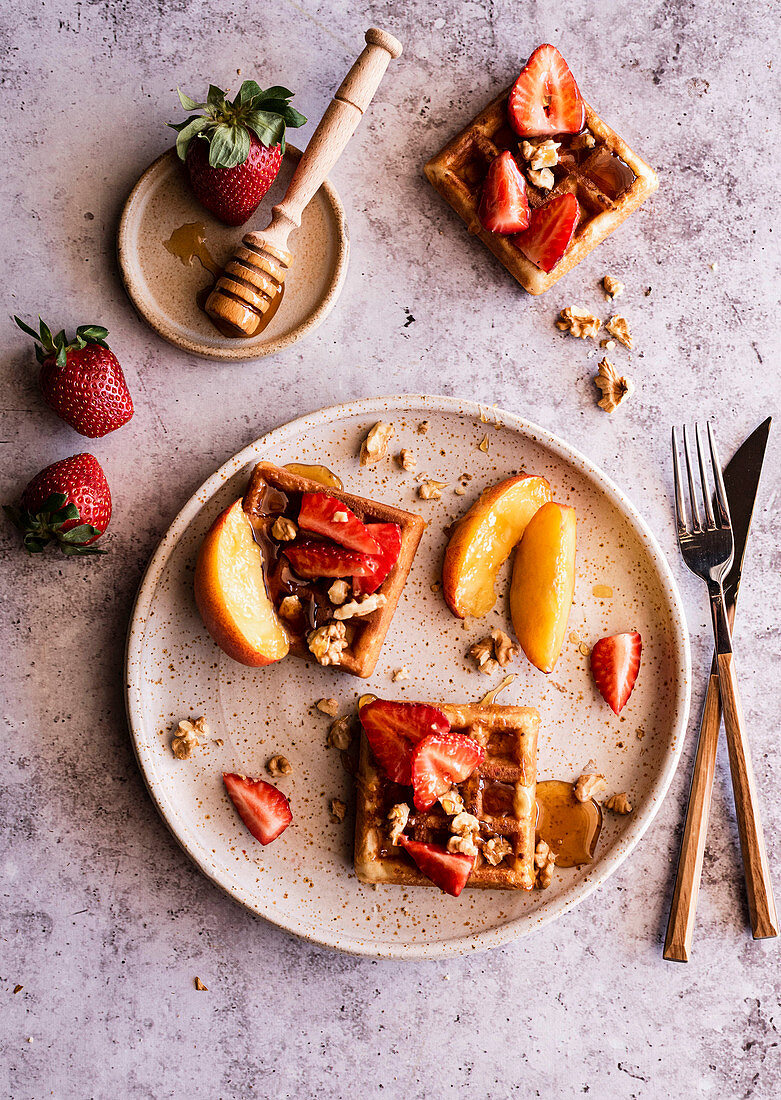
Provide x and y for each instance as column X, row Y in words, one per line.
column 707, row 548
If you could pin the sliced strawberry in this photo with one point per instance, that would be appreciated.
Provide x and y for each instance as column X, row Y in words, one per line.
column 550, row 231
column 388, row 535
column 504, row 207
column 393, row 729
column 439, row 761
column 317, row 515
column 448, row 870
column 615, row 663
column 263, row 809
column 312, row 559
column 545, row 99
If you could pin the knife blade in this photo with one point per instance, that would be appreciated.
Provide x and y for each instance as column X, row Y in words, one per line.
column 741, row 481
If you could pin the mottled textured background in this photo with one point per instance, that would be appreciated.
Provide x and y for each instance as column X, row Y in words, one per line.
column 104, row 921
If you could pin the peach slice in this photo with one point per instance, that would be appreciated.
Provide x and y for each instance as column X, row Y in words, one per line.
column 231, row 595
column 483, row 538
column 543, row 584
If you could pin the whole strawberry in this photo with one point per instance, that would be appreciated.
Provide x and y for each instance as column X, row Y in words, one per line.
column 81, row 379
column 233, row 152
column 69, row 503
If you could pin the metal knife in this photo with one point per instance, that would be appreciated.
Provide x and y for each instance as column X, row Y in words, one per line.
column 741, row 480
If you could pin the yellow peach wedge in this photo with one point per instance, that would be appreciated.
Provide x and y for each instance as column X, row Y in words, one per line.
column 483, row 538
column 231, row 595
column 543, row 584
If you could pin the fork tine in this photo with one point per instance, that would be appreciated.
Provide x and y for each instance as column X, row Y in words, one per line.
column 722, row 504
column 696, row 521
column 710, row 523
column 680, row 509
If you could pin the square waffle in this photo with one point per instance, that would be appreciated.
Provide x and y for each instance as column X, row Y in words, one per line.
column 365, row 634
column 500, row 793
column 610, row 181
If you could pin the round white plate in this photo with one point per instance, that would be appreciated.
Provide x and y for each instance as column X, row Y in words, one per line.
column 304, row 882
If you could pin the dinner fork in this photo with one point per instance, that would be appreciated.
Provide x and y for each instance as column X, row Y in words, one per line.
column 707, row 548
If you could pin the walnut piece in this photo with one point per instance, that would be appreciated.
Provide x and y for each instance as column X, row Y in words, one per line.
column 423, row 427
column 544, row 179
column 608, row 345
column 340, row 517
column 328, row 642
column 340, row 734
column 544, row 862
column 494, row 651
column 615, row 387
column 586, row 140
column 465, row 845
column 495, row 849
column 338, row 592
column 578, row 322
column 452, row 802
column 278, row 765
column 290, row 607
column 588, row 783
column 400, row 674
column 337, row 809
column 283, row 529
column 612, row 287
column 328, row 706
column 619, row 803
column 504, row 650
column 618, row 326
column 398, row 817
column 185, row 739
column 363, row 605
column 406, row 459
column 481, row 651
column 464, row 824
column 431, row 490
column 200, row 986
column 545, row 154
column 375, row 446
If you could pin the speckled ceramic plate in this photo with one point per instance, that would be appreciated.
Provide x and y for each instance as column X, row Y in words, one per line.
column 304, row 882
column 163, row 286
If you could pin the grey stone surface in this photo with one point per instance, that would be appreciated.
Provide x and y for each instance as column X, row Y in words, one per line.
column 103, row 920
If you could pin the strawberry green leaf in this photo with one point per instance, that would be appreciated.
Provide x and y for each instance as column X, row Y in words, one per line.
column 269, row 127
column 187, row 103
column 82, row 551
column 193, row 127
column 93, row 334
column 229, row 146
column 216, row 97
column 78, row 535
column 26, row 329
column 249, row 90
column 54, row 502
column 277, row 93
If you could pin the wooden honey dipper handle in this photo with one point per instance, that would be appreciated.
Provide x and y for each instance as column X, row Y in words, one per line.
column 254, row 275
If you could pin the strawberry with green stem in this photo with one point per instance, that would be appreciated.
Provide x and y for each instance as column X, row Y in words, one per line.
column 68, row 503
column 233, row 152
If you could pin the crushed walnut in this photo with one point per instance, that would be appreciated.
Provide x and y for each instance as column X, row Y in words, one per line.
column 328, row 642
column 200, row 986
column 586, row 140
column 619, row 803
column 465, row 828
column 363, row 605
column 615, row 387
column 338, row 592
column 494, row 651
column 618, row 326
column 452, row 802
column 337, row 809
column 577, row 321
column 375, row 446
column 423, row 427
column 431, row 490
column 481, row 651
column 544, row 862
column 340, row 734
column 406, row 459
column 328, row 706
column 278, row 765
column 504, row 650
column 612, row 287
column 340, row 517
column 283, row 529
column 544, row 178
column 398, row 817
column 495, row 849
column 186, row 737
column 400, row 674
column 462, row 845
column 542, row 155
column 290, row 607
column 608, row 345
column 588, row 783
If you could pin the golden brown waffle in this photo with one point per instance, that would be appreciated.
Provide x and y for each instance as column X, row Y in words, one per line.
column 365, row 634
column 500, row 794
column 596, row 176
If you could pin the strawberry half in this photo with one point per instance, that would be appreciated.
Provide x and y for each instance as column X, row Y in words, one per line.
column 447, row 870
column 317, row 515
column 439, row 761
column 504, row 207
column 388, row 535
column 393, row 729
column 263, row 809
column 545, row 99
column 312, row 559
column 69, row 503
column 551, row 228
column 615, row 662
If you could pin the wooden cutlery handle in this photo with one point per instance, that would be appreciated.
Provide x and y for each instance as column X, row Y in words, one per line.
column 680, row 926
column 762, row 908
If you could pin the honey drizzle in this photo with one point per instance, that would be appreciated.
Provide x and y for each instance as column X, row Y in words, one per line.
column 571, row 828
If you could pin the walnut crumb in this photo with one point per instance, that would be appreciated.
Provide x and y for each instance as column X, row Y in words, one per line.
column 618, row 326
column 544, row 178
column 337, row 810
column 495, row 850
column 406, row 459
column 465, row 828
column 290, row 607
column 340, row 517
column 186, row 737
column 327, row 643
column 619, row 803
column 452, row 802
column 340, row 734
column 586, row 140
column 608, row 345
column 278, row 765
column 18, row 988
column 615, row 387
column 363, row 605
column 504, row 650
column 423, row 427
column 612, row 287
column 462, row 845
column 338, row 592
column 460, row 491
column 375, row 446
column 544, row 862
column 481, row 651
column 494, row 651
column 200, row 986
column 577, row 321
column 398, row 817
column 283, row 529
column 328, row 706
column 589, row 783
column 400, row 674
column 431, row 490
column 544, row 154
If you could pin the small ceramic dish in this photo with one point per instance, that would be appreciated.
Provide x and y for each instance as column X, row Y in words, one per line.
column 164, row 286
column 305, row 881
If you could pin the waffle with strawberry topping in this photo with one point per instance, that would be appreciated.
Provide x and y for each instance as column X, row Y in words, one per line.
column 328, row 556
column 497, row 797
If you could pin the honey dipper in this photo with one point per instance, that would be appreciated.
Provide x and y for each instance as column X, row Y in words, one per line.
column 253, row 277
